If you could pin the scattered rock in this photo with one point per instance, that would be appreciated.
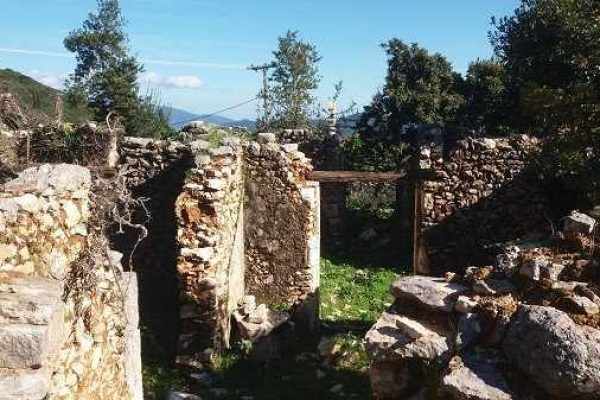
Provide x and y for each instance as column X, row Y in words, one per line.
column 259, row 323
column 579, row 222
column 560, row 356
column 337, row 388
column 493, row 287
column 329, row 348
column 432, row 293
column 587, row 292
column 173, row 395
column 506, row 262
column 469, row 330
column 551, row 271
column 578, row 305
column 533, row 268
column 474, row 378
column 465, row 305
column 398, row 337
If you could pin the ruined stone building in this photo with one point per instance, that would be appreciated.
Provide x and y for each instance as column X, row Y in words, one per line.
column 211, row 225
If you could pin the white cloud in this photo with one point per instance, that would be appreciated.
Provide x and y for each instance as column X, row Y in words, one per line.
column 56, row 81
column 171, row 82
column 176, row 63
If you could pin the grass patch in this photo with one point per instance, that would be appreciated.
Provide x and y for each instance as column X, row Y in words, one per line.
column 350, row 293
column 159, row 379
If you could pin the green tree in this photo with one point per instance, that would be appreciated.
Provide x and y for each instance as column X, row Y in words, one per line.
column 105, row 71
column 106, row 74
column 420, row 88
column 293, row 80
column 484, row 90
column 551, row 52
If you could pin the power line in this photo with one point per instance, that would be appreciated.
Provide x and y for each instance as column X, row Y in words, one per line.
column 264, row 68
column 216, row 112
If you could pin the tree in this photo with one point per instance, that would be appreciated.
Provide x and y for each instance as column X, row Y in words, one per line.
column 106, row 74
column 484, row 90
column 420, row 88
column 551, row 52
column 294, row 78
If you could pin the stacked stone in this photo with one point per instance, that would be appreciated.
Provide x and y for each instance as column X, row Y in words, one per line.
column 145, row 159
column 526, row 327
column 43, row 216
column 44, row 223
column 210, row 236
column 294, row 136
column 282, row 224
column 484, row 193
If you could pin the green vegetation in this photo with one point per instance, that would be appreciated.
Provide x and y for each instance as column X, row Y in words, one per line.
column 38, row 100
column 552, row 59
column 352, row 297
column 353, row 294
column 106, row 74
column 294, row 78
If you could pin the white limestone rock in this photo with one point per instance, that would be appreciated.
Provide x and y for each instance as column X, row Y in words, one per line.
column 433, row 293
column 397, row 337
column 579, row 222
column 28, row 384
column 561, row 357
column 474, row 379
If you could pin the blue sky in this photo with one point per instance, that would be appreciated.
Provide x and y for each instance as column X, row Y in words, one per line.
column 195, row 51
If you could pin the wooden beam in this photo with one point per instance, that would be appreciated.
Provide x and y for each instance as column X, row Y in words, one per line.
column 356, row 176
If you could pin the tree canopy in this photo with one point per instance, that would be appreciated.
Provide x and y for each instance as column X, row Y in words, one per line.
column 106, row 73
column 551, row 52
column 294, row 78
column 420, row 88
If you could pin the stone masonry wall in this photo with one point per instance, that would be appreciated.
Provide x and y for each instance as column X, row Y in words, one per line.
column 248, row 225
column 485, row 193
column 155, row 171
column 61, row 333
column 210, row 236
column 281, row 225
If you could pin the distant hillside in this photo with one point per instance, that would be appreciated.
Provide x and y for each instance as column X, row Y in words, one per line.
column 37, row 100
column 178, row 118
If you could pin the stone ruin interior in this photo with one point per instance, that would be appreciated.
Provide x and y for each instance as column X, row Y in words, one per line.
column 223, row 243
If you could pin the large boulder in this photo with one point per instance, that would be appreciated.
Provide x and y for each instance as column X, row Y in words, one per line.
column 397, row 337
column 560, row 356
column 475, row 378
column 579, row 222
column 401, row 348
column 435, row 294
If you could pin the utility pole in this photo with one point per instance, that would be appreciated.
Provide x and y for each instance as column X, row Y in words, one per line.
column 264, row 68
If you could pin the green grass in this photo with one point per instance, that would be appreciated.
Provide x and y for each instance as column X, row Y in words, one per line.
column 350, row 293
column 159, row 379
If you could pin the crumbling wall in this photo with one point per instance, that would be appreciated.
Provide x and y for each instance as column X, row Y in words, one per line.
column 154, row 172
column 248, row 225
column 62, row 323
column 484, row 193
column 211, row 263
column 281, row 225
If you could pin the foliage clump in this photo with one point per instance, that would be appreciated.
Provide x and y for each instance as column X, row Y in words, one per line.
column 106, row 73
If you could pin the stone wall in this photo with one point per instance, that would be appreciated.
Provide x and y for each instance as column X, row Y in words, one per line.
column 210, row 235
column 61, row 307
column 248, row 225
column 484, row 193
column 281, row 223
column 155, row 171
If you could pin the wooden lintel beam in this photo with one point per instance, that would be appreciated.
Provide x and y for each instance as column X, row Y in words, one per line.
column 356, row 176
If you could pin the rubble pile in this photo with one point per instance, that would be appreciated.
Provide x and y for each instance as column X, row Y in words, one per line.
column 527, row 327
